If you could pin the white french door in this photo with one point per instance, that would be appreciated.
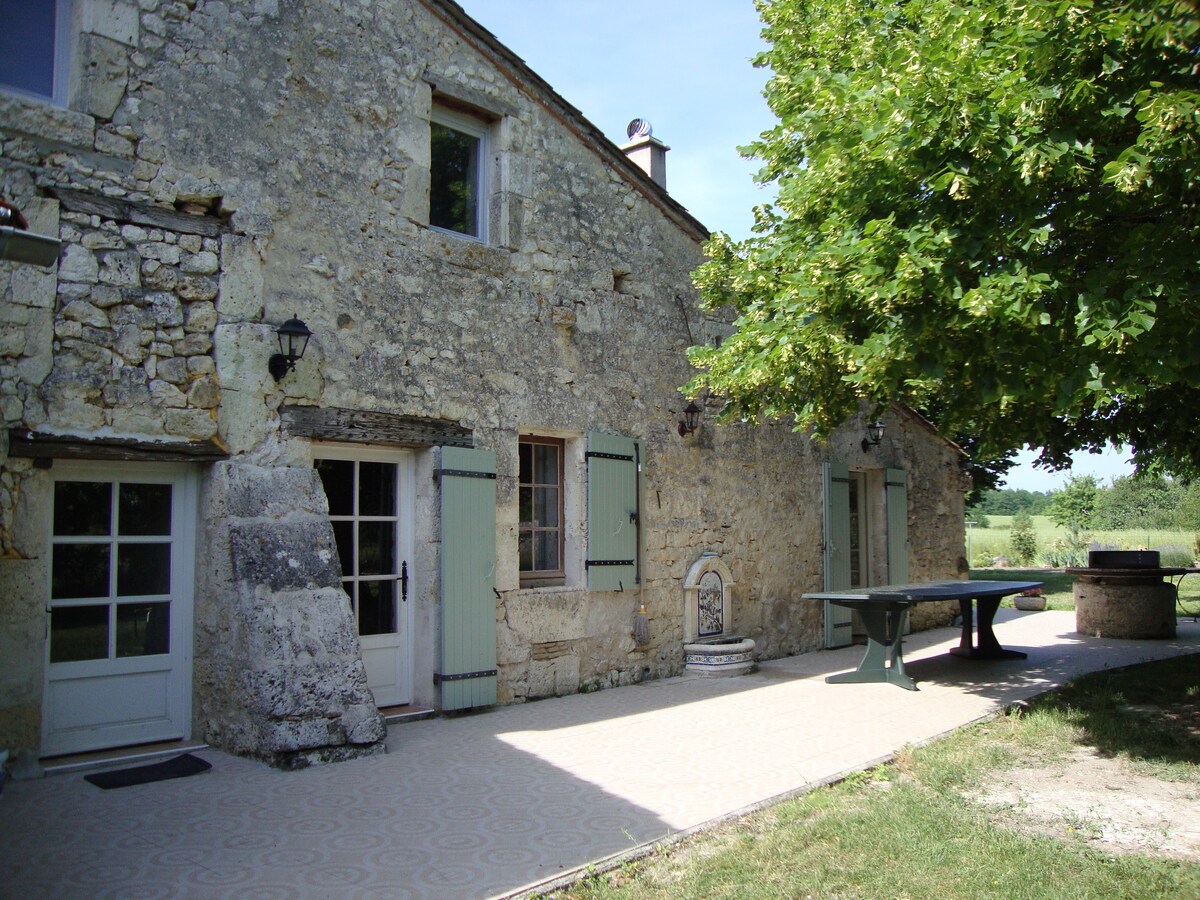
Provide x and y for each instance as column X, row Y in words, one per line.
column 119, row 649
column 370, row 494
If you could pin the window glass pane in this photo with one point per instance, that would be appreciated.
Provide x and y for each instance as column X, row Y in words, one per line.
column 78, row 632
column 454, row 180
column 79, row 570
column 343, row 535
column 525, row 550
column 144, row 509
column 143, row 569
column 376, row 607
column 376, row 548
column 525, row 504
column 545, row 459
column 82, row 507
column 143, row 629
column 546, row 551
column 545, row 507
column 376, row 489
column 525, row 456
column 337, row 476
column 27, row 45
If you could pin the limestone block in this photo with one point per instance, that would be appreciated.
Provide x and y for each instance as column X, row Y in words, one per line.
column 200, row 316
column 78, row 264
column 116, row 20
column 197, row 424
column 285, row 556
column 120, row 268
column 202, row 263
column 173, row 370
column 204, row 393
column 75, row 129
column 101, row 77
column 84, row 313
column 164, row 309
column 32, row 286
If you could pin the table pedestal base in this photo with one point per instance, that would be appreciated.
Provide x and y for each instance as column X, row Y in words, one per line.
column 882, row 662
column 985, row 645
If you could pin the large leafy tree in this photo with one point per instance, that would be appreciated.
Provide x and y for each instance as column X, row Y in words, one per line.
column 986, row 210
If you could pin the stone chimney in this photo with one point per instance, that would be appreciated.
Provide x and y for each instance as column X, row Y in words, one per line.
column 647, row 151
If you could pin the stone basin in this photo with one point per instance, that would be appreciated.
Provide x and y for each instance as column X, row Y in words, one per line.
column 718, row 656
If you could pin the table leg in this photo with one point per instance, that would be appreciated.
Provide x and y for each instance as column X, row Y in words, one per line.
column 882, row 661
column 985, row 646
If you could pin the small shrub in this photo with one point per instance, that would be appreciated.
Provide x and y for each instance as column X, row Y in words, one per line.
column 1175, row 556
column 1022, row 540
column 1071, row 551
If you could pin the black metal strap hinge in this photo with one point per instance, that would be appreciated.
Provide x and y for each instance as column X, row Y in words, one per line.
column 463, row 676
column 465, row 473
column 609, row 562
column 593, row 454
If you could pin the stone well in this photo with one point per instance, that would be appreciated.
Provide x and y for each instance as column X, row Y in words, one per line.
column 1125, row 594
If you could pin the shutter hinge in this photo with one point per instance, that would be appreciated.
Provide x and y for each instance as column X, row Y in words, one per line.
column 462, row 676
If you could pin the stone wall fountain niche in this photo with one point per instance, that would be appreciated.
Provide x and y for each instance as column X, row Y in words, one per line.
column 708, row 649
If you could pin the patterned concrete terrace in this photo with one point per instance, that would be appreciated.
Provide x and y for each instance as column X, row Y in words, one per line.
column 490, row 804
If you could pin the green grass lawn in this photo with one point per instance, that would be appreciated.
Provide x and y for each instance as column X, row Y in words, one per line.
column 910, row 830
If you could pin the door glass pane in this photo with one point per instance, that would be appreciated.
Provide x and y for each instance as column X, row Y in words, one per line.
column 376, row 489
column 343, row 535
column 143, row 569
column 143, row 629
column 79, row 570
column 144, row 509
column 78, row 632
column 376, row 607
column 82, row 508
column 337, row 475
column 376, row 548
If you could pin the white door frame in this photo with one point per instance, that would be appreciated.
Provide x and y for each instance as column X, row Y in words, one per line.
column 387, row 658
column 118, row 701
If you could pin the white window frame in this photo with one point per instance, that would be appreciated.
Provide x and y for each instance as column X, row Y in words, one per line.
column 481, row 130
column 63, row 47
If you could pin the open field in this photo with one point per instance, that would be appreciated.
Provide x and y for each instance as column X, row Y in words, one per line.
column 985, row 544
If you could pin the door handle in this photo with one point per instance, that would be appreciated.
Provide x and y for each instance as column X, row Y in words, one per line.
column 404, row 582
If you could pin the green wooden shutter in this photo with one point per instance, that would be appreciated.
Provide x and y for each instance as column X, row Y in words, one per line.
column 614, row 511
column 897, row 526
column 468, row 567
column 838, row 620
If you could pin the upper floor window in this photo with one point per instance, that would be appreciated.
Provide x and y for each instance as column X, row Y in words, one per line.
column 457, row 188
column 34, row 47
column 540, row 499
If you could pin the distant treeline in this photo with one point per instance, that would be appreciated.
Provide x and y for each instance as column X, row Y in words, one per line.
column 1155, row 503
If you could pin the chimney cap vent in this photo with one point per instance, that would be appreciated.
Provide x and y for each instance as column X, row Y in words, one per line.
column 639, row 128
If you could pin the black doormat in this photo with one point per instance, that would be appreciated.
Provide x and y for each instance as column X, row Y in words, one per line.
column 180, row 767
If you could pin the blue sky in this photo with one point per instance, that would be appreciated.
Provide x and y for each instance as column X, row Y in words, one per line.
column 685, row 66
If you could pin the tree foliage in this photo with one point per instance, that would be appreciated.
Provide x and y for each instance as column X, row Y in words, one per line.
column 1010, row 501
column 986, row 211
column 1074, row 507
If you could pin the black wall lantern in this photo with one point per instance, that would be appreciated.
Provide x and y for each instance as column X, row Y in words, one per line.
column 691, row 419
column 874, row 436
column 293, row 339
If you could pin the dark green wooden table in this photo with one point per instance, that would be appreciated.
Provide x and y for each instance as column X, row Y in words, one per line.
column 882, row 610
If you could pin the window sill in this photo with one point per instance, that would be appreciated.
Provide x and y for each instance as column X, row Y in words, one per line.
column 464, row 250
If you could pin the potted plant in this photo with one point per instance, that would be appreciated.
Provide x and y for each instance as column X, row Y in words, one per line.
column 1032, row 600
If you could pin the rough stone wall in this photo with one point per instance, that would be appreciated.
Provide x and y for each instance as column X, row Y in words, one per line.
column 302, row 130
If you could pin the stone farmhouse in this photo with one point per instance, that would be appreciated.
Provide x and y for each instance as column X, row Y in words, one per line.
column 471, row 487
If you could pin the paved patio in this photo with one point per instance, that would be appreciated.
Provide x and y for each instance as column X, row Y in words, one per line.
column 493, row 803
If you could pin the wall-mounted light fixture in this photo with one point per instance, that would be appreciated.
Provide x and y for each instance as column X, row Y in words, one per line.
column 18, row 244
column 293, row 339
column 874, row 436
column 691, row 419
